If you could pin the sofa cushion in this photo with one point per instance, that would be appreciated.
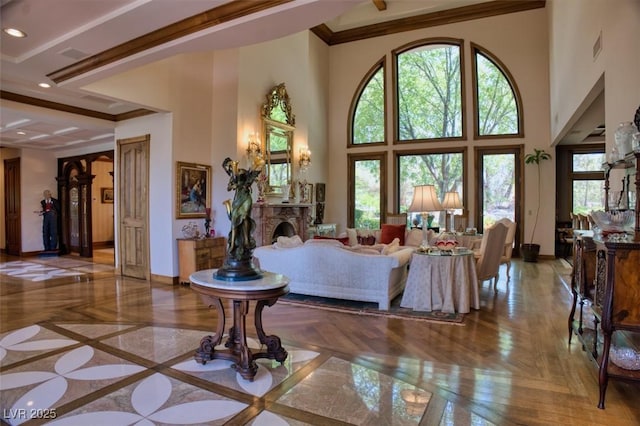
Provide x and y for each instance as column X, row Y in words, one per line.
column 390, row 232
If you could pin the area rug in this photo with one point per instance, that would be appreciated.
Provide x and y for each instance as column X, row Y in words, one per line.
column 371, row 309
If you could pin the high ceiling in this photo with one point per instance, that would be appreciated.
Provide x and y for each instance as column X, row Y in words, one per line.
column 71, row 43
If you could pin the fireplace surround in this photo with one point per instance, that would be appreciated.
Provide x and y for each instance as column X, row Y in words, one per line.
column 279, row 219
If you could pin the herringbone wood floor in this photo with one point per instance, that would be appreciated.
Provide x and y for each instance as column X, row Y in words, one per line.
column 510, row 363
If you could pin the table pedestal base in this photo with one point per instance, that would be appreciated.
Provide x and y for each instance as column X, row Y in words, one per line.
column 237, row 350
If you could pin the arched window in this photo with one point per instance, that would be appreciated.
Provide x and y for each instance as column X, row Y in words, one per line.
column 496, row 97
column 429, row 90
column 367, row 111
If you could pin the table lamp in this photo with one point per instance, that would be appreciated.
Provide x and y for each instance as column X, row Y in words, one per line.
column 424, row 201
column 451, row 203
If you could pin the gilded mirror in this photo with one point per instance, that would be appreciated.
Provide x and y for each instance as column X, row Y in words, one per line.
column 278, row 124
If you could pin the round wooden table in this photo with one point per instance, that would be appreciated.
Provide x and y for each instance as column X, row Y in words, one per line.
column 264, row 291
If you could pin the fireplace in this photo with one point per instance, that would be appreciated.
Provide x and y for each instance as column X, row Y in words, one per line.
column 274, row 220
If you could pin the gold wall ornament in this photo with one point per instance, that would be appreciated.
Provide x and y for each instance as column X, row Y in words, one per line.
column 278, row 126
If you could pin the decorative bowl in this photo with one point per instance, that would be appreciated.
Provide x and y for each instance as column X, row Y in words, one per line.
column 626, row 358
column 613, row 222
column 446, row 244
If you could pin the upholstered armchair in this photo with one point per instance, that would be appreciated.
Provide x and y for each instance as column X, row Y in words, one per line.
column 508, row 244
column 490, row 253
column 396, row 219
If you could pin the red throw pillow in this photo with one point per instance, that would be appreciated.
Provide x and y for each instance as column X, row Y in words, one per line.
column 390, row 232
column 343, row 240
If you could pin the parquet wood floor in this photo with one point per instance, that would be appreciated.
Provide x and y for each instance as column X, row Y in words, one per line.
column 508, row 364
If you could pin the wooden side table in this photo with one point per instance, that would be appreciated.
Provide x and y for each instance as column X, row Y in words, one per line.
column 264, row 291
column 198, row 254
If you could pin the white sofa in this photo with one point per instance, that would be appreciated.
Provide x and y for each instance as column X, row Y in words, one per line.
column 329, row 269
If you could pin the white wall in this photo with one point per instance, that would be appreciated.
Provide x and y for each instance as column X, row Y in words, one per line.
column 161, row 188
column 37, row 173
column 519, row 40
column 574, row 26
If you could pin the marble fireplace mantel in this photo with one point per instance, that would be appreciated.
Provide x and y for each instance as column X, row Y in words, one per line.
column 278, row 219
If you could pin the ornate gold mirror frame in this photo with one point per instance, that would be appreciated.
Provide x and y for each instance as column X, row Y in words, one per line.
column 278, row 124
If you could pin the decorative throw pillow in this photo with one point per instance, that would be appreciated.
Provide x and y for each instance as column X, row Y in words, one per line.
column 287, row 242
column 414, row 238
column 389, row 232
column 343, row 240
column 366, row 240
column 353, row 236
column 392, row 247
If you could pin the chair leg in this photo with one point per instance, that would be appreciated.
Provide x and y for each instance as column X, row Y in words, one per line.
column 508, row 268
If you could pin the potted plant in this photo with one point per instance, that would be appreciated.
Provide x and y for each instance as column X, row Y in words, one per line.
column 530, row 250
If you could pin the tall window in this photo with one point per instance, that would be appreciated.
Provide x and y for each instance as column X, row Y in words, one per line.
column 587, row 180
column 429, row 91
column 367, row 124
column 443, row 169
column 496, row 97
column 366, row 184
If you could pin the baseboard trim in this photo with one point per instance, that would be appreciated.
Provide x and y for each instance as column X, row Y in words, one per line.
column 102, row 244
column 164, row 279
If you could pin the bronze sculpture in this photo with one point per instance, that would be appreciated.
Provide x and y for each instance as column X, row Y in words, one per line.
column 238, row 264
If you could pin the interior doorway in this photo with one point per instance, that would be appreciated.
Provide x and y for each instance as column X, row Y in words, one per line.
column 102, row 210
column 499, row 195
column 77, row 196
column 13, row 229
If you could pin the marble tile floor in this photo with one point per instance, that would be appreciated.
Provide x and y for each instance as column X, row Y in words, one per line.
column 112, row 374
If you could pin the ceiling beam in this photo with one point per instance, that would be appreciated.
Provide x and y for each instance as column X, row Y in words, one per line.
column 444, row 17
column 28, row 100
column 207, row 19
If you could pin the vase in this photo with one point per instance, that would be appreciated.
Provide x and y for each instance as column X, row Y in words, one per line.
column 623, row 137
column 285, row 192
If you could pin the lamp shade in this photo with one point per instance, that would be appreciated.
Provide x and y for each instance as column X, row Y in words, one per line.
column 451, row 201
column 424, row 199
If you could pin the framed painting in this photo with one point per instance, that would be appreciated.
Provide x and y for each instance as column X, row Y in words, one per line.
column 320, row 192
column 193, row 190
column 306, row 193
column 106, row 195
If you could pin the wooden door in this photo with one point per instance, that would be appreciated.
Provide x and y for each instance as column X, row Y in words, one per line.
column 133, row 206
column 499, row 192
column 13, row 243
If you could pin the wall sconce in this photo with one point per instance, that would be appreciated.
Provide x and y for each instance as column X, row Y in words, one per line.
column 304, row 159
column 253, row 148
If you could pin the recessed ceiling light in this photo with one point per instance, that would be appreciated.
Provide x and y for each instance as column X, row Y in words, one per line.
column 44, row 85
column 14, row 32
column 21, row 133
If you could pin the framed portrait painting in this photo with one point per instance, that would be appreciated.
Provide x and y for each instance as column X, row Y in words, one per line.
column 193, row 192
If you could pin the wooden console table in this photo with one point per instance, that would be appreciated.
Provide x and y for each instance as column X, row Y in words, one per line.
column 264, row 291
column 198, row 254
